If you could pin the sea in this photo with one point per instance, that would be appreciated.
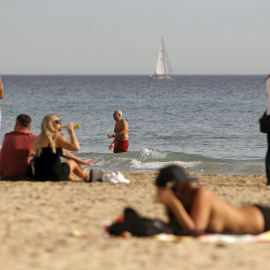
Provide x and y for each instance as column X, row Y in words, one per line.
column 208, row 124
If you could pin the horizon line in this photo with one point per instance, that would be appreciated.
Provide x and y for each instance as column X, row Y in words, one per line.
column 123, row 74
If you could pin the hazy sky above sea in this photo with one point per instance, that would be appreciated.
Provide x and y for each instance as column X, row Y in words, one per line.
column 123, row 36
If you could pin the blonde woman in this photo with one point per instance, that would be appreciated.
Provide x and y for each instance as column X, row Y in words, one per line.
column 50, row 145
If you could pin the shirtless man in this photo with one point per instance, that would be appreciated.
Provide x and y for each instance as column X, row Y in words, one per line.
column 199, row 209
column 120, row 143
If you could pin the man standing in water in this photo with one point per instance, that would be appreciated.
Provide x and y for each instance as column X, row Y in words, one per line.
column 120, row 143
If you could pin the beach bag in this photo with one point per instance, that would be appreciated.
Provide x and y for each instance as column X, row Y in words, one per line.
column 265, row 123
column 96, row 175
column 137, row 225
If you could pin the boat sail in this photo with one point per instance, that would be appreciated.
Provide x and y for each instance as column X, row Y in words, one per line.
column 163, row 68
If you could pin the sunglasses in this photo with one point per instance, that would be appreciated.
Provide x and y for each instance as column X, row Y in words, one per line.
column 59, row 121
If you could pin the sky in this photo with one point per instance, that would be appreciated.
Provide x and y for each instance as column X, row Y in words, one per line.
column 123, row 36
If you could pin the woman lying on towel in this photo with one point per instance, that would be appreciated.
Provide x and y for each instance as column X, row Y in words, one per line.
column 50, row 145
column 198, row 209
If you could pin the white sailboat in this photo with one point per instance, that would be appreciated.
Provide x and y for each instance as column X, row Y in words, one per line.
column 163, row 68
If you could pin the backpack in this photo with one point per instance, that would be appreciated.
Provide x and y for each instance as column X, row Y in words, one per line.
column 137, row 225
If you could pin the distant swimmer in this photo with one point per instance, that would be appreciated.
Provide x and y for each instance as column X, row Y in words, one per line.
column 120, row 143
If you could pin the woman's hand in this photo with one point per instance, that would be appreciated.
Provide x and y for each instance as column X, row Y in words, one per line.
column 88, row 162
column 165, row 195
column 69, row 127
column 62, row 141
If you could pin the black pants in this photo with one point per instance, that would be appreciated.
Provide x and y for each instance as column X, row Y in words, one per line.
column 267, row 160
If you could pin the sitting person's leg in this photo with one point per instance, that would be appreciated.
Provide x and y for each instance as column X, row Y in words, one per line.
column 76, row 169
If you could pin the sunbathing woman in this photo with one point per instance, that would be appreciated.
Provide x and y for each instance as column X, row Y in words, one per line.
column 198, row 209
column 50, row 145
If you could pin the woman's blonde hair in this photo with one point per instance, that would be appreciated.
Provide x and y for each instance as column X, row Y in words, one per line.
column 46, row 134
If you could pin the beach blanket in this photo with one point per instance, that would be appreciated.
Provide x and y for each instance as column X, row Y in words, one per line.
column 217, row 238
column 207, row 238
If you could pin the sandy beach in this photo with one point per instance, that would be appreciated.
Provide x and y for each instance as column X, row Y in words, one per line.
column 38, row 220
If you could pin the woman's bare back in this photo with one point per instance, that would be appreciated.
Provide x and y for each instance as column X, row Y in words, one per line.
column 224, row 217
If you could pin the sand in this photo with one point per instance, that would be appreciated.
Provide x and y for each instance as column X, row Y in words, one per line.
column 37, row 221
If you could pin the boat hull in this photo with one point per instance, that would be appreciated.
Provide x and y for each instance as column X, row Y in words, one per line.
column 161, row 78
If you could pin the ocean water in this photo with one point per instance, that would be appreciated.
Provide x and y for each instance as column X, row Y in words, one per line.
column 206, row 123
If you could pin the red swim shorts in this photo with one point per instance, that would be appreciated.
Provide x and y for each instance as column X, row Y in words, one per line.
column 121, row 147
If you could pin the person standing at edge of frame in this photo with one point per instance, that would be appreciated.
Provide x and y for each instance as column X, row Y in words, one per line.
column 267, row 158
column 1, row 89
column 1, row 96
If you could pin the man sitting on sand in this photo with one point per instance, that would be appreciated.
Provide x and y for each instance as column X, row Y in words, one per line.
column 17, row 149
column 198, row 209
column 120, row 143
